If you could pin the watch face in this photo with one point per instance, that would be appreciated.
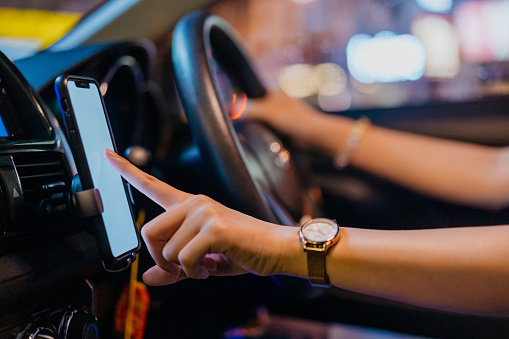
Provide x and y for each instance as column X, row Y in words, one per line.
column 319, row 230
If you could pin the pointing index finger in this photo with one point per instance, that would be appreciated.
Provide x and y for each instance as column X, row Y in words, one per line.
column 160, row 192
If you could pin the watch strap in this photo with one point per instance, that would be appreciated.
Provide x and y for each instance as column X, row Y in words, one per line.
column 316, row 267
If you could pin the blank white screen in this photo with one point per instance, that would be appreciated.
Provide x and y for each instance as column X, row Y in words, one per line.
column 95, row 136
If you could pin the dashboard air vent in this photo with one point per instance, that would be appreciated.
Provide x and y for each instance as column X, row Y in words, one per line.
column 42, row 174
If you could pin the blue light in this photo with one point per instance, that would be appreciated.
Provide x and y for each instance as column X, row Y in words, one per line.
column 437, row 6
column 386, row 57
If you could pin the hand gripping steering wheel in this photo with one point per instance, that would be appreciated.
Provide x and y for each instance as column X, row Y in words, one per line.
column 249, row 161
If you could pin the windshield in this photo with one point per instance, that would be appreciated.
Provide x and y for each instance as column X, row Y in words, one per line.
column 28, row 26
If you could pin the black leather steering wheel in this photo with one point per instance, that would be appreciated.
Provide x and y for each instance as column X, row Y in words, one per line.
column 239, row 155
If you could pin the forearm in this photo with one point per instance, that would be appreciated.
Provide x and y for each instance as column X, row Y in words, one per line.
column 458, row 269
column 454, row 171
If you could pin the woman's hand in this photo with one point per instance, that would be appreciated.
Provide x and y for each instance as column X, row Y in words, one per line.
column 197, row 237
column 281, row 112
column 306, row 126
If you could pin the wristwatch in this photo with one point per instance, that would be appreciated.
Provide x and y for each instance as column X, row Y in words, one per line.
column 317, row 236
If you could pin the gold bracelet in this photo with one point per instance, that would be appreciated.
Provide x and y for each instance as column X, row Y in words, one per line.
column 342, row 158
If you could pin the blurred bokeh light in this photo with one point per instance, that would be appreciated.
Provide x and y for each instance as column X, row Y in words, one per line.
column 438, row 6
column 353, row 54
column 386, row 57
column 441, row 43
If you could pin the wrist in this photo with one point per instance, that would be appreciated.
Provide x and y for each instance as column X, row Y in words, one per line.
column 318, row 236
column 327, row 132
column 293, row 258
column 343, row 156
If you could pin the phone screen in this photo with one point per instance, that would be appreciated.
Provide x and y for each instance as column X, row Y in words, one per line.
column 95, row 137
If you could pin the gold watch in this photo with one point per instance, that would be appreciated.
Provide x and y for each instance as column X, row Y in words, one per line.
column 317, row 236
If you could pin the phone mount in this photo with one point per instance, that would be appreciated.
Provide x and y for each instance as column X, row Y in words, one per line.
column 78, row 203
column 87, row 205
column 122, row 265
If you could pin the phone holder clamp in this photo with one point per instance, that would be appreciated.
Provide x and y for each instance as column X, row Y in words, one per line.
column 88, row 203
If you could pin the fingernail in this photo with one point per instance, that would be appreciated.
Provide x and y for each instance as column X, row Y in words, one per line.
column 111, row 153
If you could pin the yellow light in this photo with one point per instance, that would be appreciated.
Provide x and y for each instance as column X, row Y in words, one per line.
column 44, row 26
column 303, row 80
column 297, row 80
column 441, row 43
column 330, row 79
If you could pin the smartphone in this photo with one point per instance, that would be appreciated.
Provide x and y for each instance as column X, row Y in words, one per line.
column 89, row 134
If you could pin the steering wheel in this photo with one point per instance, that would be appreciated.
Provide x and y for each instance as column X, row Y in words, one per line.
column 249, row 161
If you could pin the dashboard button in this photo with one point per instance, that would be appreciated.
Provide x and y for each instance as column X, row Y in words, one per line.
column 68, row 122
column 65, row 105
column 73, row 138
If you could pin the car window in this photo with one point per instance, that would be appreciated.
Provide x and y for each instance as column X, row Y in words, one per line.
column 27, row 26
column 376, row 53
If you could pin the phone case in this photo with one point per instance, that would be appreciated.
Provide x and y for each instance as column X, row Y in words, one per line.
column 110, row 262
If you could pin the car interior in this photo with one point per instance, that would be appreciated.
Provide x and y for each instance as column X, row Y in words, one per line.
column 172, row 75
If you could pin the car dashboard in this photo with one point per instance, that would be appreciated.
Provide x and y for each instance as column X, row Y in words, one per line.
column 51, row 268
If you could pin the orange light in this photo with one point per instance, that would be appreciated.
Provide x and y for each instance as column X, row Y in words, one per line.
column 238, row 113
